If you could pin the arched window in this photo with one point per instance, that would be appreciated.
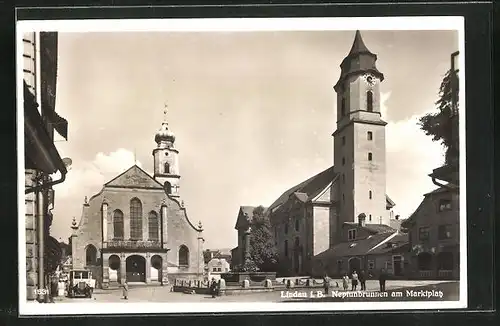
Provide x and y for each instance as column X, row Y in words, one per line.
column 297, row 225
column 135, row 219
column 166, row 167
column 118, row 224
column 343, row 160
column 370, row 194
column 153, row 225
column 168, row 187
column 183, row 256
column 91, row 255
column 343, row 107
column 369, row 101
column 370, row 156
column 286, row 248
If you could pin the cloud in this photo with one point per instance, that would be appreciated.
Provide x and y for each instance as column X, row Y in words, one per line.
column 86, row 179
column 411, row 157
column 384, row 96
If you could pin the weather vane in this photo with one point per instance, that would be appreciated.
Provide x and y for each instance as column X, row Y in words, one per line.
column 165, row 109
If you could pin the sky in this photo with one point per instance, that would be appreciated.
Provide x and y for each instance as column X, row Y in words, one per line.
column 252, row 112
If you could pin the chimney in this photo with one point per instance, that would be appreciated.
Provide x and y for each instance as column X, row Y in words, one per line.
column 361, row 219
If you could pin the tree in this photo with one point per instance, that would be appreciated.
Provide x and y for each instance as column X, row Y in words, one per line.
column 443, row 125
column 262, row 255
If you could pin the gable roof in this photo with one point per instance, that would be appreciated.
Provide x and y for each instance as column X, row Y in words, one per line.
column 397, row 242
column 353, row 248
column 407, row 222
column 245, row 215
column 373, row 228
column 134, row 177
column 310, row 187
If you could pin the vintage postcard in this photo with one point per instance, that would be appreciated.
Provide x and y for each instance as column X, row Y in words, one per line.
column 199, row 165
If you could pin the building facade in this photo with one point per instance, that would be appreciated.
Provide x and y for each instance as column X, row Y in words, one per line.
column 365, row 247
column 216, row 267
column 41, row 157
column 309, row 218
column 434, row 235
column 136, row 228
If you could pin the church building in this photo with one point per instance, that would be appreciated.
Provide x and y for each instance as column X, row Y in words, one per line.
column 316, row 215
column 136, row 228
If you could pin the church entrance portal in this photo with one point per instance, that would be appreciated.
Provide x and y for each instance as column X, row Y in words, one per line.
column 136, row 269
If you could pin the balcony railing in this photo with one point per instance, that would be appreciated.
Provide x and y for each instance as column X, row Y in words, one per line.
column 132, row 244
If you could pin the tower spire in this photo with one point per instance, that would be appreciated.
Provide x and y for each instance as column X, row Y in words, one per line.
column 358, row 46
column 165, row 111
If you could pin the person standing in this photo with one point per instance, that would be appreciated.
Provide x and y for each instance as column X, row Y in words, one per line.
column 345, row 282
column 326, row 283
column 362, row 280
column 381, row 279
column 354, row 281
column 213, row 287
column 125, row 290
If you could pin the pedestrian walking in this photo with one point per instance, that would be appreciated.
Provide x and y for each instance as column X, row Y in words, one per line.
column 345, row 282
column 362, row 280
column 354, row 281
column 381, row 279
column 326, row 283
column 213, row 287
column 125, row 290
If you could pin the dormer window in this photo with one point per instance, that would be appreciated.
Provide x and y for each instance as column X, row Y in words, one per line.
column 351, row 234
column 444, row 205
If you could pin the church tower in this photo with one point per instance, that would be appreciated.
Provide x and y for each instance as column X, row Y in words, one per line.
column 359, row 141
column 166, row 159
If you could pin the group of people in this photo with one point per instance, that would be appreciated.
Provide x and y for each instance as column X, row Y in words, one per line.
column 356, row 279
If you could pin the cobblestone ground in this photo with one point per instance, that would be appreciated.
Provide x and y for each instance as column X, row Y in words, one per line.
column 163, row 294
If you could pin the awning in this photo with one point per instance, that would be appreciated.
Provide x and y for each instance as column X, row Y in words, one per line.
column 40, row 151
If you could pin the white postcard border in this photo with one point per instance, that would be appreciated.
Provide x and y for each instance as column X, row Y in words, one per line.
column 240, row 25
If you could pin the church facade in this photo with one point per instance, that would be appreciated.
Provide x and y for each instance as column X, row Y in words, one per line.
column 310, row 218
column 136, row 228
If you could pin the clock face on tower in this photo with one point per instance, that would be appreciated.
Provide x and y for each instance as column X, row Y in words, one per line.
column 369, row 79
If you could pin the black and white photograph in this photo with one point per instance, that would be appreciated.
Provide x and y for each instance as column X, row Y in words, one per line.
column 241, row 165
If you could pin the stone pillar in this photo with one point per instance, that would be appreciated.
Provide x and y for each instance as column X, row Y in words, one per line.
column 247, row 244
column 164, row 228
column 222, row 286
column 145, row 226
column 148, row 268
column 105, row 271
column 123, row 267
column 246, row 284
column 268, row 283
column 126, row 225
column 104, row 212
column 164, row 270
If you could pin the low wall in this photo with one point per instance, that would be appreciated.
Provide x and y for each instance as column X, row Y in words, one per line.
column 251, row 276
column 244, row 287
